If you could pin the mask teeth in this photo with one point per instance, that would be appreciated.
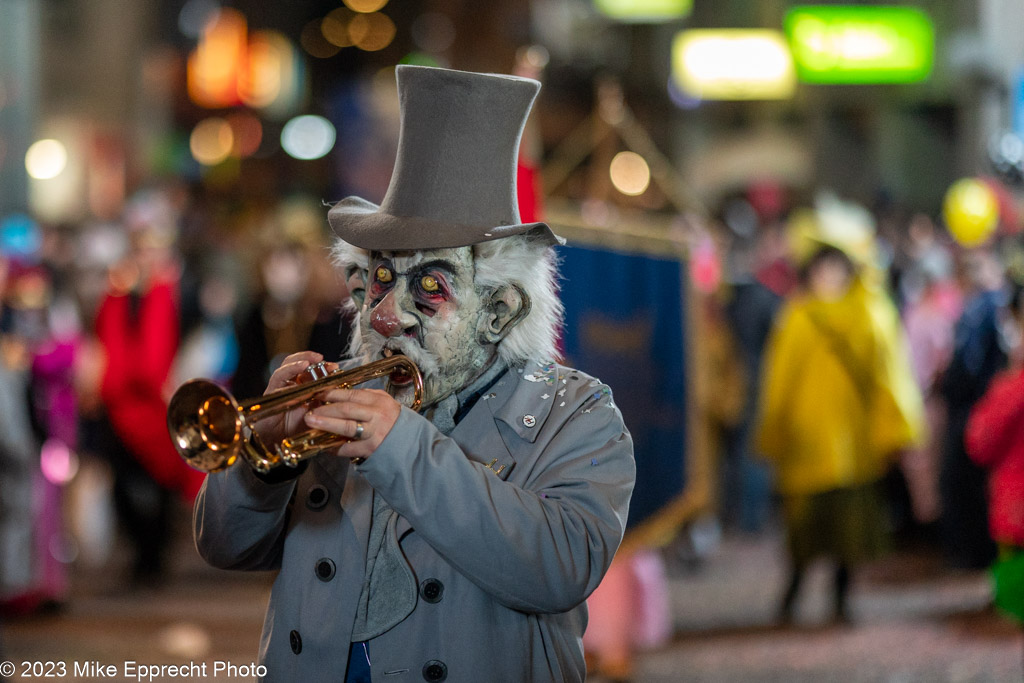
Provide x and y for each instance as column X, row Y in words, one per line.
column 388, row 352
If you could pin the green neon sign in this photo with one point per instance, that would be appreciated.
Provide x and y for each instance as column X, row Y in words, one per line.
column 860, row 43
column 640, row 11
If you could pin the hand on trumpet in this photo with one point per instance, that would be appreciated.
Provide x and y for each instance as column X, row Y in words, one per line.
column 364, row 415
column 277, row 427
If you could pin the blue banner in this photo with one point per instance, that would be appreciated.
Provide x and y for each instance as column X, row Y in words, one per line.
column 625, row 325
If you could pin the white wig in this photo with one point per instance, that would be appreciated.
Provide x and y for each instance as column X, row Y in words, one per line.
column 521, row 260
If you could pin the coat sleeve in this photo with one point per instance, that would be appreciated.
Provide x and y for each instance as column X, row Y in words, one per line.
column 540, row 547
column 239, row 521
column 995, row 422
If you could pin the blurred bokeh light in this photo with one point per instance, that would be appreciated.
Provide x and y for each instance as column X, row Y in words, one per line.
column 211, row 141
column 365, row 5
column 644, row 10
column 371, row 32
column 230, row 67
column 19, row 236
column 246, row 133
column 58, row 463
column 261, row 82
column 214, row 66
column 46, row 159
column 308, row 137
column 630, row 173
column 334, row 27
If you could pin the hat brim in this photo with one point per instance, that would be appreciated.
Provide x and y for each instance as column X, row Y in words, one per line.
column 362, row 223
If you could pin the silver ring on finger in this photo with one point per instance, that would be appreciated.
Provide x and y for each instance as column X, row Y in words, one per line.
column 359, row 432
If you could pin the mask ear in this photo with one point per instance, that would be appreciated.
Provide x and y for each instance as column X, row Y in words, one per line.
column 355, row 279
column 507, row 306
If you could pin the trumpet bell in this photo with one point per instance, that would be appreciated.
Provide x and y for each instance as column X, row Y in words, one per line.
column 206, row 425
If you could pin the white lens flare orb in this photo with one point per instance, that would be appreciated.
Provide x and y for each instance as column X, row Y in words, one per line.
column 308, row 137
column 46, row 159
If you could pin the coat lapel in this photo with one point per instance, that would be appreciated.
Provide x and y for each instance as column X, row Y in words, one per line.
column 478, row 434
column 356, row 497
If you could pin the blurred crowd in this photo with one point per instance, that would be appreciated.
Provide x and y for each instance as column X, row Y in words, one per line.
column 861, row 387
column 866, row 338
column 101, row 322
column 847, row 384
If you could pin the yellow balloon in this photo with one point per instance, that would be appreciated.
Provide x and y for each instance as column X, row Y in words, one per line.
column 971, row 211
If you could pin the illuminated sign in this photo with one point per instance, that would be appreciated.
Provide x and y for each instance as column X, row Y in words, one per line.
column 861, row 44
column 640, row 11
column 733, row 64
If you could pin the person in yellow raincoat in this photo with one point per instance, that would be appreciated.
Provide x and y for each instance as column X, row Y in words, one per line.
column 838, row 400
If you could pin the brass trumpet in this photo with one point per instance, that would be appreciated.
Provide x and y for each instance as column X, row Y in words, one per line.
column 211, row 429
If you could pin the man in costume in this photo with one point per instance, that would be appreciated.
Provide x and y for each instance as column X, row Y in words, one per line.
column 458, row 543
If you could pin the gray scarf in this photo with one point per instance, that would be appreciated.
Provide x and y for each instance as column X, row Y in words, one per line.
column 389, row 590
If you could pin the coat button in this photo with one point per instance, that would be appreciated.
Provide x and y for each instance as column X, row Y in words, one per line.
column 432, row 590
column 435, row 670
column 317, row 497
column 325, row 569
column 296, row 640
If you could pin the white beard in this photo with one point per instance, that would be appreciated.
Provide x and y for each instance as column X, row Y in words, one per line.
column 441, row 376
column 371, row 347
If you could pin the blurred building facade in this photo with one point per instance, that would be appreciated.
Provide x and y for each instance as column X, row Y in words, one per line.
column 116, row 98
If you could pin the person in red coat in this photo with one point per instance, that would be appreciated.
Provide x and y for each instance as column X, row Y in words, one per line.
column 995, row 441
column 139, row 332
column 137, row 326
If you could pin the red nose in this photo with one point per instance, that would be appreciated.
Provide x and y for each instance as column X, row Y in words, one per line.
column 385, row 321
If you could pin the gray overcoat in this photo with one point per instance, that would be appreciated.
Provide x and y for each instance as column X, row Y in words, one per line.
column 508, row 524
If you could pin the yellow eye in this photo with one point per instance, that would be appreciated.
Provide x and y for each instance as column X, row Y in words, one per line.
column 384, row 274
column 429, row 283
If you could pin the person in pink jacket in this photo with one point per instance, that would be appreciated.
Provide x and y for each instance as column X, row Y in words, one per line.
column 995, row 441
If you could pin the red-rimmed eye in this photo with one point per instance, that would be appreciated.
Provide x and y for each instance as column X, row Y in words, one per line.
column 429, row 284
column 382, row 281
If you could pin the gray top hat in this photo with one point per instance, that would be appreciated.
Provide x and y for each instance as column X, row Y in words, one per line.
column 454, row 181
